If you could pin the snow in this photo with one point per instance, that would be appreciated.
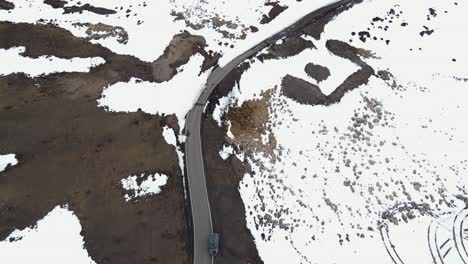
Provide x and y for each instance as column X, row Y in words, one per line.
column 43, row 65
column 324, row 200
column 174, row 97
column 226, row 151
column 145, row 41
column 149, row 186
column 248, row 12
column 55, row 239
column 150, row 25
column 224, row 103
column 7, row 160
column 170, row 137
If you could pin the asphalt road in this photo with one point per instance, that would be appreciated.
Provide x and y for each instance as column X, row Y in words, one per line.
column 200, row 205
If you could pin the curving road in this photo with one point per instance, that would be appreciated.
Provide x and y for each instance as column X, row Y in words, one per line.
column 199, row 202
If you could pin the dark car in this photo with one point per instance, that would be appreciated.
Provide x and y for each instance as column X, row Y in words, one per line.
column 214, row 244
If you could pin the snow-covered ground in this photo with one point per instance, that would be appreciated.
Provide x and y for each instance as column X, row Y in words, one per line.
column 7, row 160
column 150, row 26
column 174, row 97
column 149, row 186
column 171, row 138
column 323, row 201
column 348, row 182
column 43, row 65
column 55, row 239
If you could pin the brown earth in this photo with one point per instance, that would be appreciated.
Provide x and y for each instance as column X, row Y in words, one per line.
column 307, row 93
column 181, row 48
column 72, row 152
column 55, row 3
column 318, row 72
column 228, row 212
column 317, row 23
column 288, row 47
column 302, row 91
column 276, row 10
column 78, row 8
column 249, row 123
column 6, row 5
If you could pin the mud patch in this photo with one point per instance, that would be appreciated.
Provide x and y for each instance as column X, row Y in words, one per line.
column 55, row 3
column 317, row 72
column 179, row 51
column 60, row 4
column 276, row 10
column 6, row 5
column 302, row 91
column 317, row 21
column 89, row 8
column 288, row 47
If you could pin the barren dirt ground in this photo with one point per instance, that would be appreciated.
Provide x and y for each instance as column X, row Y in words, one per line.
column 72, row 152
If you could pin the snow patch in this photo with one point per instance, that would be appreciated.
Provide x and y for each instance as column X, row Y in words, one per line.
column 391, row 154
column 55, row 239
column 7, row 160
column 13, row 62
column 175, row 97
column 149, row 186
column 226, row 151
column 149, row 25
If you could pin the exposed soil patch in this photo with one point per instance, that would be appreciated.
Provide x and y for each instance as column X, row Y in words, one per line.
column 276, row 10
column 226, row 85
column 89, row 8
column 211, row 60
column 62, row 44
column 249, row 123
column 179, row 51
column 316, row 23
column 72, row 152
column 346, row 51
column 55, row 3
column 306, row 93
column 5, row 5
column 227, row 209
column 290, row 46
column 302, row 91
column 318, row 72
column 60, row 4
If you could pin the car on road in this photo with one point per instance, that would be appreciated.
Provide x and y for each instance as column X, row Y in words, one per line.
column 214, row 244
